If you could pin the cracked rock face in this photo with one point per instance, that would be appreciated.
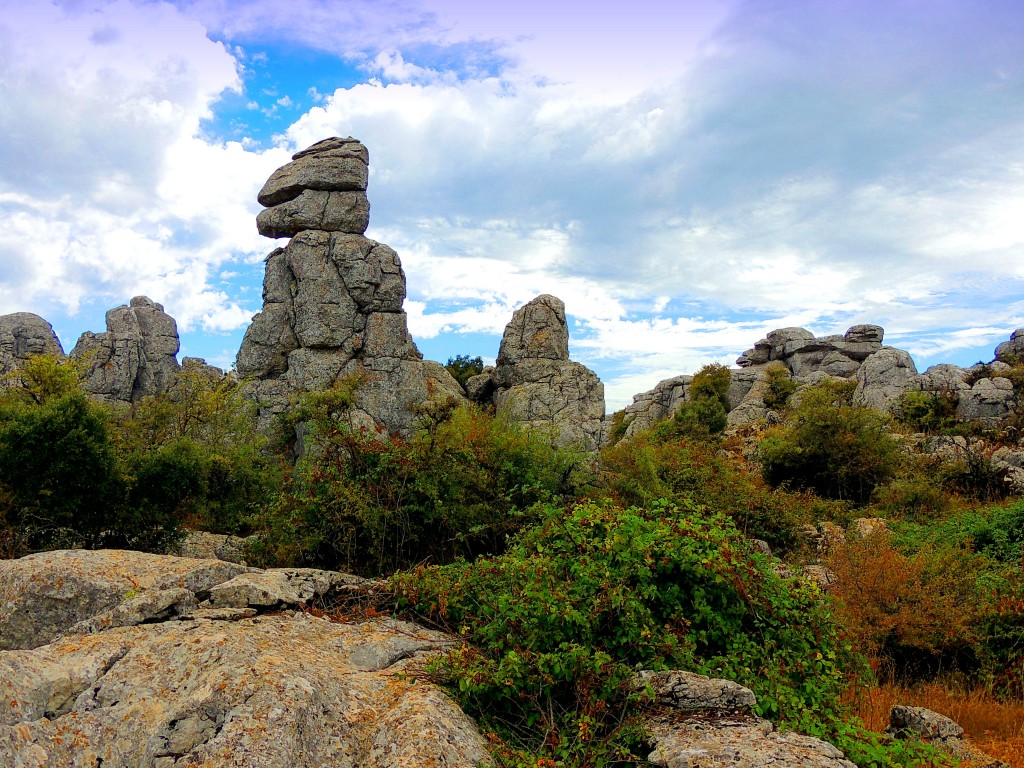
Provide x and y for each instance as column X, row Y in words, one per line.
column 536, row 383
column 135, row 357
column 135, row 670
column 23, row 335
column 332, row 298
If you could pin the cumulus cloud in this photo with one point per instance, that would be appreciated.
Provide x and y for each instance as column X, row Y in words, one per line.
column 108, row 188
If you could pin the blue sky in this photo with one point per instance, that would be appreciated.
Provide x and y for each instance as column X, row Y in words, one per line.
column 685, row 176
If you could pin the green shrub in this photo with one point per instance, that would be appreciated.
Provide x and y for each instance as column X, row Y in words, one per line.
column 830, row 446
column 779, row 386
column 463, row 367
column 703, row 415
column 195, row 452
column 647, row 468
column 369, row 503
column 559, row 624
column 929, row 412
column 918, row 495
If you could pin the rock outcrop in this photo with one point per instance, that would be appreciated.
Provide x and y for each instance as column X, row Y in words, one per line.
column 944, row 734
column 135, row 357
column 983, row 393
column 23, row 335
column 332, row 298
column 536, row 383
column 144, row 667
column 707, row 722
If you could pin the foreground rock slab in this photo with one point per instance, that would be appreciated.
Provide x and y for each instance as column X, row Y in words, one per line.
column 132, row 659
column 284, row 690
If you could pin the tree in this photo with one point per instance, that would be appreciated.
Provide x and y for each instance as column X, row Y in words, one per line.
column 463, row 367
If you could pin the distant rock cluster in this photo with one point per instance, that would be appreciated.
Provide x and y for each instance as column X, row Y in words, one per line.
column 882, row 374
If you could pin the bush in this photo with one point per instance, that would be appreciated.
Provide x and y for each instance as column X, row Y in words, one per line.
column 463, row 368
column 195, row 452
column 913, row 614
column 703, row 414
column 830, row 446
column 929, row 412
column 369, row 503
column 683, row 471
column 60, row 482
column 560, row 623
column 779, row 386
column 917, row 496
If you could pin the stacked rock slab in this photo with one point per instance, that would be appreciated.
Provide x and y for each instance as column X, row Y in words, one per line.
column 135, row 357
column 332, row 298
column 23, row 335
column 536, row 383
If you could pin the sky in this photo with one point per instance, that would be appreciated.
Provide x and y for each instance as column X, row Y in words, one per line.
column 685, row 176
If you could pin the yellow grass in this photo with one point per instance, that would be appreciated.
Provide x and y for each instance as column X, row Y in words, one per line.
column 996, row 728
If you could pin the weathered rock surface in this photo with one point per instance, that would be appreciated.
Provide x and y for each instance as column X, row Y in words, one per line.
column 212, row 546
column 648, row 408
column 712, row 729
column 148, row 676
column 23, row 335
column 536, row 383
column 45, row 594
column 136, row 356
column 332, row 299
column 1013, row 350
column 943, row 734
column 883, row 378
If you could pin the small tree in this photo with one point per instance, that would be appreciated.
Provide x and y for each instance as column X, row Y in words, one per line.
column 703, row 414
column 830, row 446
column 463, row 367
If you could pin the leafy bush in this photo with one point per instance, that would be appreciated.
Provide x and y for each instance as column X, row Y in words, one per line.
column 779, row 386
column 691, row 471
column 463, row 367
column 911, row 613
column 195, row 452
column 703, row 414
column 60, row 480
column 830, row 446
column 929, row 412
column 369, row 503
column 560, row 623
column 917, row 495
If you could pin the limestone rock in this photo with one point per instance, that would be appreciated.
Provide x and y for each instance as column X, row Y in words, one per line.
column 866, row 527
column 988, row 402
column 690, row 691
column 135, row 357
column 865, row 334
column 24, row 335
column 648, row 408
column 314, row 209
column 1013, row 350
column 943, row 734
column 824, row 577
column 737, row 742
column 883, row 378
column 331, row 165
column 332, row 300
column 45, row 594
column 212, row 546
column 536, row 382
column 278, row 588
column 269, row 692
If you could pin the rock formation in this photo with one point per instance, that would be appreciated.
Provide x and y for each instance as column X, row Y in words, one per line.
column 332, row 298
column 943, row 734
column 536, row 383
column 135, row 357
column 170, row 662
column 23, row 335
column 883, row 375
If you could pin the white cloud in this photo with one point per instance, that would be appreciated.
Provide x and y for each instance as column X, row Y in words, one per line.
column 107, row 187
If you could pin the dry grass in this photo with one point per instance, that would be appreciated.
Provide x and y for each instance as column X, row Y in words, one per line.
column 996, row 728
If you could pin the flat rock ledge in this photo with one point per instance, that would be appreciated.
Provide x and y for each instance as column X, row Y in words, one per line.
column 127, row 659
column 705, row 722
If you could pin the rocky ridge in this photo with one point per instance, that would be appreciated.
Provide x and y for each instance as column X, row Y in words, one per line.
column 882, row 375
